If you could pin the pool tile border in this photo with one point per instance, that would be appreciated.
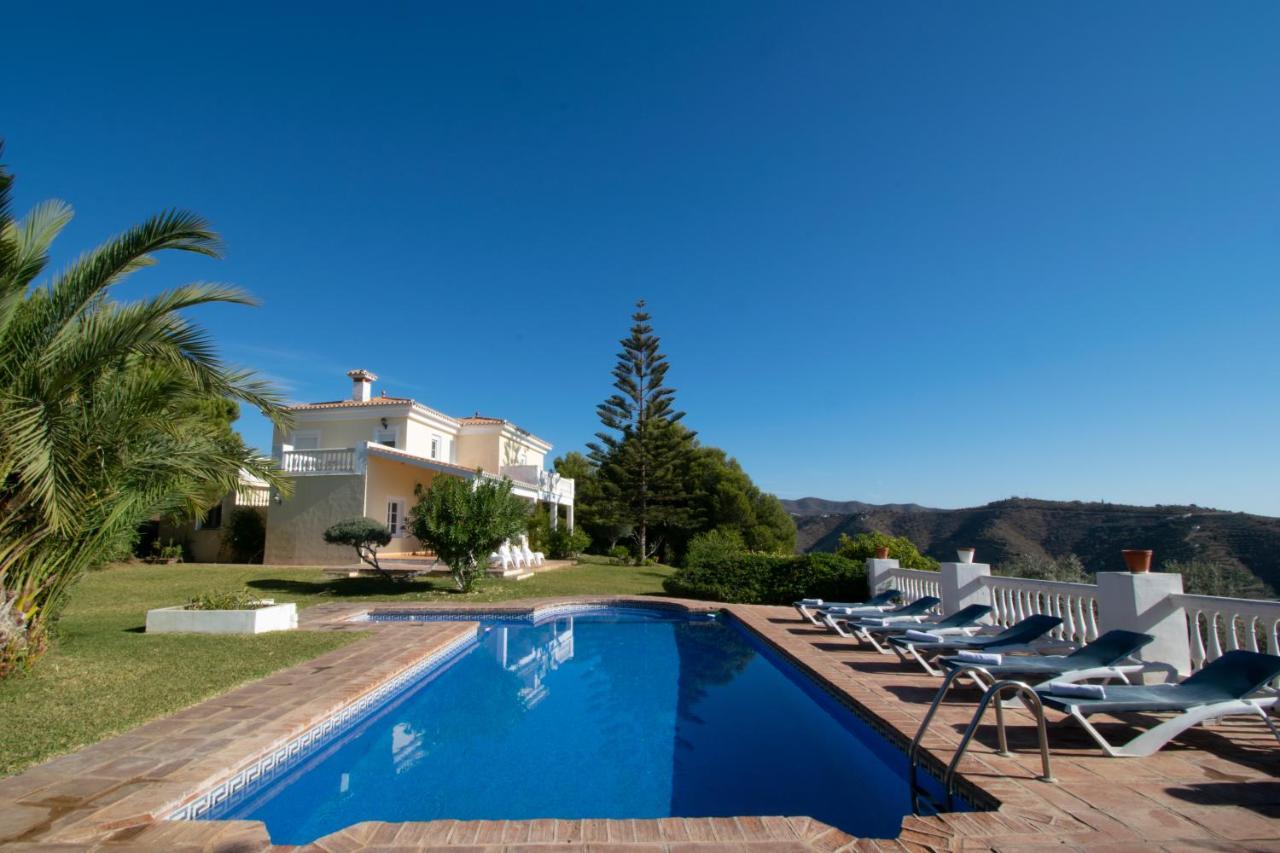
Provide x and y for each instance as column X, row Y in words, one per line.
column 284, row 757
column 1099, row 801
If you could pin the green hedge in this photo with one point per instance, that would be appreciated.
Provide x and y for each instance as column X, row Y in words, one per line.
column 770, row 579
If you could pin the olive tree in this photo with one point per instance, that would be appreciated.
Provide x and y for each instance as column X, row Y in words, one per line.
column 464, row 520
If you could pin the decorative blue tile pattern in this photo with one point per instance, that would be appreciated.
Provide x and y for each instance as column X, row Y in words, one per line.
column 288, row 755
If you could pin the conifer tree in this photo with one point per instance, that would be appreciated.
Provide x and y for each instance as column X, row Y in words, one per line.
column 639, row 453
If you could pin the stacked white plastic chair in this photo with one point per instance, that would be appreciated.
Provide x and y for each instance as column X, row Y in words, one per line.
column 535, row 558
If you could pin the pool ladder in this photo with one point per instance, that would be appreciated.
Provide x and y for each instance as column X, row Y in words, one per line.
column 995, row 692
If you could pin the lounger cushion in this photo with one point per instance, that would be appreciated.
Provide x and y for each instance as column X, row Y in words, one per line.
column 1123, row 698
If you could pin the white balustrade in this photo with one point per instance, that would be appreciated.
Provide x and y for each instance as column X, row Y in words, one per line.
column 1076, row 604
column 339, row 460
column 1218, row 625
column 913, row 583
column 253, row 495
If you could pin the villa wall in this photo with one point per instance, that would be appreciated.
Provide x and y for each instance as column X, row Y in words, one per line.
column 479, row 451
column 295, row 527
column 348, row 433
column 388, row 479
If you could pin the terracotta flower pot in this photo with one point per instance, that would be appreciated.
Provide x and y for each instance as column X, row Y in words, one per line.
column 965, row 555
column 882, row 553
column 1138, row 561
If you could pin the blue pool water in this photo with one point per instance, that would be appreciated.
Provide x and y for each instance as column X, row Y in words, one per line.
column 607, row 714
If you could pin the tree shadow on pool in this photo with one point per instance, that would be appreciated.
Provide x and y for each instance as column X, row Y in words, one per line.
column 347, row 587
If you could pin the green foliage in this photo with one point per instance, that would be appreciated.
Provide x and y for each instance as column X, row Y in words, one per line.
column 639, row 452
column 1205, row 577
column 245, row 536
column 770, row 579
column 169, row 550
column 1069, row 569
column 619, row 555
column 235, row 599
column 864, row 545
column 366, row 535
column 565, row 544
column 103, row 423
column 463, row 521
column 721, row 496
column 539, row 529
column 721, row 544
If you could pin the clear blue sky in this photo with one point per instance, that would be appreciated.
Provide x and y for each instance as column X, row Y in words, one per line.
column 934, row 252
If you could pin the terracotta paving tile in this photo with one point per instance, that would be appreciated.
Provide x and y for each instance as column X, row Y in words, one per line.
column 1214, row 789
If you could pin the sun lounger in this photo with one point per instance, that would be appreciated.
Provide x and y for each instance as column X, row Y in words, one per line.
column 1018, row 637
column 911, row 613
column 1223, row 688
column 963, row 623
column 808, row 607
column 1109, row 656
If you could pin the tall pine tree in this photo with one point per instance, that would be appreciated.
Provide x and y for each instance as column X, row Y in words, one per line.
column 639, row 453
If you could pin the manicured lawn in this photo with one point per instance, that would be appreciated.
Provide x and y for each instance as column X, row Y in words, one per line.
column 104, row 675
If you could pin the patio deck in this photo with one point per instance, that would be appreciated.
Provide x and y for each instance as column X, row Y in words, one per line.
column 1216, row 788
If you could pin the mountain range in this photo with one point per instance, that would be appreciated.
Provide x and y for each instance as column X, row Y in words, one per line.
column 1096, row 532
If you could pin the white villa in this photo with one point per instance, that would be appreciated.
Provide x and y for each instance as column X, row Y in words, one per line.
column 363, row 457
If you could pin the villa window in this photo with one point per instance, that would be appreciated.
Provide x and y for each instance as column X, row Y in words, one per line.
column 395, row 517
column 385, row 436
column 435, row 446
column 306, row 439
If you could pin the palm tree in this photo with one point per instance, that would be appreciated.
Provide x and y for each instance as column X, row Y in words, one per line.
column 103, row 409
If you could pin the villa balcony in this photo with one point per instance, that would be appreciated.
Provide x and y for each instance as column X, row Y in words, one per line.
column 336, row 460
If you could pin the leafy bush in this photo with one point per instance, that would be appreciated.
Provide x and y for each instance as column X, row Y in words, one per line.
column 864, row 545
column 539, row 530
column 1069, row 568
column 1205, row 577
column 170, row 550
column 463, row 522
column 236, row 599
column 620, row 555
column 564, row 544
column 770, row 579
column 246, row 536
column 719, row 544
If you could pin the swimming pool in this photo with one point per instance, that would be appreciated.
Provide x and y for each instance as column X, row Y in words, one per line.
column 605, row 713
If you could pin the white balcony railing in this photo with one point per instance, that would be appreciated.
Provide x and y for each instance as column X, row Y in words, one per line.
column 914, row 583
column 338, row 460
column 1076, row 604
column 1218, row 625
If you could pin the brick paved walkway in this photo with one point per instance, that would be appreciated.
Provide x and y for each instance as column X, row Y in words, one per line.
column 1216, row 788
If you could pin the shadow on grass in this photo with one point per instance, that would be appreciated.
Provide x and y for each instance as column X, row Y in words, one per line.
column 345, row 587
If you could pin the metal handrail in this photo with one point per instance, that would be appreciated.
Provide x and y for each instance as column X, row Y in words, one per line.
column 978, row 673
column 1032, row 701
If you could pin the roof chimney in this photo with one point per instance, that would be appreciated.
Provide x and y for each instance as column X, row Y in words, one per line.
column 361, row 385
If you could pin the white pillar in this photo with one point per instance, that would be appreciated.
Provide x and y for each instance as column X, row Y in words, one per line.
column 555, row 514
column 877, row 573
column 1140, row 602
column 568, row 517
column 961, row 585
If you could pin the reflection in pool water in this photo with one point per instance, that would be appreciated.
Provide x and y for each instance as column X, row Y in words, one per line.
column 597, row 715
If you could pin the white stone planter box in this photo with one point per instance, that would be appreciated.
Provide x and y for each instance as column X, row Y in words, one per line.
column 173, row 620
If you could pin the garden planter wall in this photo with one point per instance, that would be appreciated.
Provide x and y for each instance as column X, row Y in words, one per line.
column 173, row 620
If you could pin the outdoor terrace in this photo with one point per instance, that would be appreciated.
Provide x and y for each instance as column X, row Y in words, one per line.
column 1214, row 788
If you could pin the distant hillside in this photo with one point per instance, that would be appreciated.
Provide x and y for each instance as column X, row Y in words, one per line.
column 1096, row 532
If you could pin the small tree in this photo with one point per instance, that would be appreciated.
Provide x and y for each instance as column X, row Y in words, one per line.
column 463, row 521
column 365, row 535
column 902, row 549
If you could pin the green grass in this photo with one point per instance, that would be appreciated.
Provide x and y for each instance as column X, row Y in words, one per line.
column 103, row 675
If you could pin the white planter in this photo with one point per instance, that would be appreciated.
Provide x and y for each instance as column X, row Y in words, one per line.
column 965, row 555
column 173, row 620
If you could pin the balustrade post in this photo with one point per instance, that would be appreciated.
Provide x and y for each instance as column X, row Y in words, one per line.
column 878, row 573
column 961, row 585
column 1144, row 602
